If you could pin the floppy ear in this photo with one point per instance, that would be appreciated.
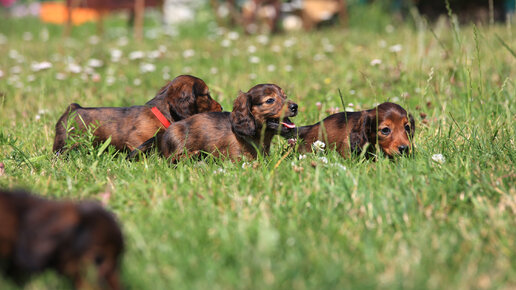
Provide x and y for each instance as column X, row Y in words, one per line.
column 242, row 121
column 42, row 234
column 412, row 126
column 181, row 101
column 361, row 132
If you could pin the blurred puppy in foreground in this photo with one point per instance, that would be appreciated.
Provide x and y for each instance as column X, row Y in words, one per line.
column 388, row 125
column 257, row 116
column 37, row 234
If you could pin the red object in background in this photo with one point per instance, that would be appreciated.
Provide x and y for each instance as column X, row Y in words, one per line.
column 7, row 3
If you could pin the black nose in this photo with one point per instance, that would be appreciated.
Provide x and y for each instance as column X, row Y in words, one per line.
column 403, row 149
column 293, row 108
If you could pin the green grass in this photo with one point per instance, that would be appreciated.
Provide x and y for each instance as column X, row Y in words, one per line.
column 408, row 223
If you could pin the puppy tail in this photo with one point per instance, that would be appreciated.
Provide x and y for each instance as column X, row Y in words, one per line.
column 60, row 138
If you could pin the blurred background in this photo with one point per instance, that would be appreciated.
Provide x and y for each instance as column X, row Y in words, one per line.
column 252, row 16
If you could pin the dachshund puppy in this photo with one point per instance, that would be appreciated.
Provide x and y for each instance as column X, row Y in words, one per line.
column 257, row 116
column 388, row 126
column 129, row 127
column 38, row 234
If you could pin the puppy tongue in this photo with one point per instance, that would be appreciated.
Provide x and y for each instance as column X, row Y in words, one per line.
column 288, row 125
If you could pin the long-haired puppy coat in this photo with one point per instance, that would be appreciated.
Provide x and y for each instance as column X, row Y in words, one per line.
column 131, row 126
column 257, row 116
column 387, row 126
column 38, row 234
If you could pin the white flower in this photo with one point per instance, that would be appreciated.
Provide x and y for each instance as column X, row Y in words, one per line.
column 276, row 48
column 37, row 117
column 15, row 69
column 318, row 146
column 219, row 170
column 324, row 160
column 389, row 28
column 3, row 39
column 302, row 156
column 251, row 49
column 349, row 109
column 37, row 66
column 153, row 54
column 137, row 82
column 396, row 48
column 31, row 78
column 1, row 73
column 271, row 67
column 439, row 158
column 27, row 36
column 74, row 68
column 329, row 48
column 376, row 61
column 262, row 39
column 340, row 166
column 214, row 70
column 254, row 59
column 246, row 165
column 319, row 57
column 94, row 39
column 166, row 76
column 136, row 55
column 95, row 63
column 122, row 41
column 110, row 80
column 382, row 43
column 116, row 54
column 233, row 35
column 162, row 48
column 226, row 43
column 187, row 69
column 288, row 68
column 188, row 53
column 60, row 76
column 352, row 92
column 147, row 67
column 252, row 76
column 289, row 42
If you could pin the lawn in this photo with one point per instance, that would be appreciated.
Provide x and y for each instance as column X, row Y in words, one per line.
column 283, row 221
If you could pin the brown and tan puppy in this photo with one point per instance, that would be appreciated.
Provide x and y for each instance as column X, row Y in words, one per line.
column 129, row 127
column 257, row 116
column 388, row 125
column 38, row 234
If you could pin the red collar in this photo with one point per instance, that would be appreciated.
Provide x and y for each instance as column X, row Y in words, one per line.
column 160, row 117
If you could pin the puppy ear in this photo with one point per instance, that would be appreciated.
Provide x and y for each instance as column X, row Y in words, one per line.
column 44, row 231
column 242, row 120
column 361, row 132
column 181, row 100
column 412, row 126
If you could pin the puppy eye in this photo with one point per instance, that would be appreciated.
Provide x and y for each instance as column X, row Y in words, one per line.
column 385, row 131
column 407, row 128
column 270, row 101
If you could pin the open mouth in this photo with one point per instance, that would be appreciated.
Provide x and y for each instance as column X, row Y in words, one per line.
column 287, row 123
column 284, row 124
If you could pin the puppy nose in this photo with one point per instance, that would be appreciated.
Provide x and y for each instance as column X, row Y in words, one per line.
column 293, row 108
column 403, row 149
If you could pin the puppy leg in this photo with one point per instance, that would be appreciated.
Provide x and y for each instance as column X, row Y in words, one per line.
column 61, row 127
column 143, row 148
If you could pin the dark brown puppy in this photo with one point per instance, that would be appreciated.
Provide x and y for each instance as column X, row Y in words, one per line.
column 38, row 234
column 257, row 116
column 388, row 126
column 129, row 127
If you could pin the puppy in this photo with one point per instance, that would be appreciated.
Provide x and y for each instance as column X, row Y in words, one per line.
column 129, row 127
column 257, row 116
column 388, row 125
column 38, row 234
